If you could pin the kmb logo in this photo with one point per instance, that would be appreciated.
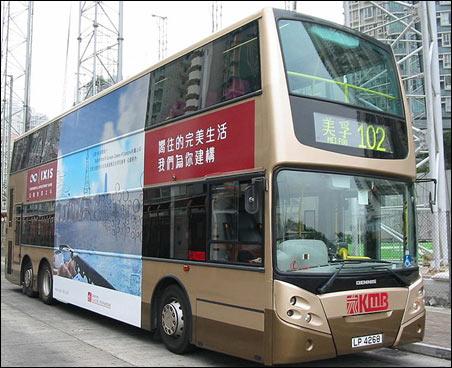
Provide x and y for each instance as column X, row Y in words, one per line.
column 367, row 303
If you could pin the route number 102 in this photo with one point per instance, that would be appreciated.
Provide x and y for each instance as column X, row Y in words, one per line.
column 372, row 137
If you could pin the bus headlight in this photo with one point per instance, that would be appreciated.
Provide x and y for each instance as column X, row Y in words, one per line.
column 421, row 292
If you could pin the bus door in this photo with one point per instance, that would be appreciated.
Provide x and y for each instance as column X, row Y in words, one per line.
column 232, row 299
column 18, row 219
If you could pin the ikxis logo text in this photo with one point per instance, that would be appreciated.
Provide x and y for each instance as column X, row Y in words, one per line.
column 367, row 303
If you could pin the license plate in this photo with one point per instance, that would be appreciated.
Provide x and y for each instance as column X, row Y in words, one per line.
column 367, row 340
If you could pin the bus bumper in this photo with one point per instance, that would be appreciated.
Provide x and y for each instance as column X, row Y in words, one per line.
column 412, row 331
column 294, row 344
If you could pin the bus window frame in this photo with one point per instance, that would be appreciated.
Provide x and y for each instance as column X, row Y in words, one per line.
column 222, row 103
column 206, row 109
column 399, row 152
column 237, row 242
column 386, row 48
column 59, row 119
column 305, row 279
column 47, row 126
column 209, row 181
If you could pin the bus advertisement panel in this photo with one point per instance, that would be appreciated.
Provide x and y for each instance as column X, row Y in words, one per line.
column 105, row 168
column 41, row 182
column 107, row 265
column 218, row 142
column 103, row 272
column 99, row 191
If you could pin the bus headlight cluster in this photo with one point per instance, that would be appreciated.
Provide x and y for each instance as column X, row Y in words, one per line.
column 419, row 300
column 420, row 292
column 300, row 312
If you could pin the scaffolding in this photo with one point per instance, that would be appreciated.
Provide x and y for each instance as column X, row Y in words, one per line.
column 17, row 35
column 411, row 30
column 99, row 53
column 217, row 15
column 162, row 35
column 290, row 5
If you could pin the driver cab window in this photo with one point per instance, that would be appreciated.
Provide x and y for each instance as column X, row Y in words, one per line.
column 237, row 223
column 325, row 218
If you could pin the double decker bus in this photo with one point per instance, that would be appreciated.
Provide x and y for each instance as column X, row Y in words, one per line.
column 252, row 195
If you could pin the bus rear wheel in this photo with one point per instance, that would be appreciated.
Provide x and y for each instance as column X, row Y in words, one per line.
column 46, row 284
column 27, row 277
column 175, row 320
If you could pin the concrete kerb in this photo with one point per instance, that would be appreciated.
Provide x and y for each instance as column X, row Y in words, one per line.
column 427, row 349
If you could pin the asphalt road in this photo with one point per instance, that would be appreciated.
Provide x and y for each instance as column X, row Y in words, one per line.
column 35, row 334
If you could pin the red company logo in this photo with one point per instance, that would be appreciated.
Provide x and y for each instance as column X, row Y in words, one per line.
column 367, row 303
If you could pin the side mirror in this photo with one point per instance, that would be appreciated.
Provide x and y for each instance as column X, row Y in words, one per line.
column 431, row 201
column 251, row 200
column 253, row 196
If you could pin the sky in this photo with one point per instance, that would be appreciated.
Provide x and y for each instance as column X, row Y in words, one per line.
column 53, row 79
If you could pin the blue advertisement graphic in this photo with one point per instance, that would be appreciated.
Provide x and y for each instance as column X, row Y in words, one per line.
column 98, row 240
column 106, row 168
column 118, row 113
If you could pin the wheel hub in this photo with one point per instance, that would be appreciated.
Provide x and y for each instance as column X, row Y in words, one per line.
column 173, row 319
column 46, row 283
column 28, row 277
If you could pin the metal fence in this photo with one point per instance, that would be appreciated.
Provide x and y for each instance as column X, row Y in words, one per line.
column 434, row 239
column 433, row 236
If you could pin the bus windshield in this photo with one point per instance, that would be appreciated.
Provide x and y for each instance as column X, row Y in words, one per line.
column 323, row 220
column 331, row 64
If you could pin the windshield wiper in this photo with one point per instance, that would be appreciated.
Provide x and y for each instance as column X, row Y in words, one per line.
column 395, row 274
column 323, row 289
column 327, row 285
column 360, row 260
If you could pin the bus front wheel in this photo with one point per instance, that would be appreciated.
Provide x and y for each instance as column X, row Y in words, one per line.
column 175, row 320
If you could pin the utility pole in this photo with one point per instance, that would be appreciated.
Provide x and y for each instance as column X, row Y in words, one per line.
column 162, row 35
column 434, row 129
column 217, row 15
column 120, row 40
column 10, row 118
column 26, row 114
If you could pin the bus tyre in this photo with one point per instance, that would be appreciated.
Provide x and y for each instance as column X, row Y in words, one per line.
column 45, row 284
column 175, row 320
column 27, row 277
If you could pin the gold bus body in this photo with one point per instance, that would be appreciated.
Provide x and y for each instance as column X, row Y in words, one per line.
column 244, row 311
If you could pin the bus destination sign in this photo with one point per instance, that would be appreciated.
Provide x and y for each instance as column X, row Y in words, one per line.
column 349, row 132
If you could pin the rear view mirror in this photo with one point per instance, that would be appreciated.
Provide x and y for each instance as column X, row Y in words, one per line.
column 253, row 197
column 251, row 200
column 431, row 201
